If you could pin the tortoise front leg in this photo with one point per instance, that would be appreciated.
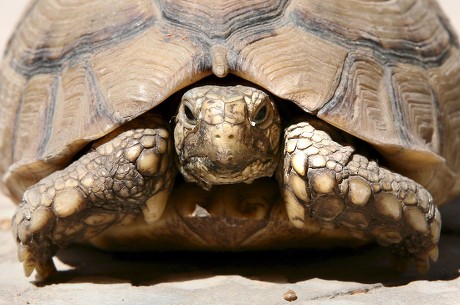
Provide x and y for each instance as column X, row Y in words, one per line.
column 130, row 174
column 328, row 183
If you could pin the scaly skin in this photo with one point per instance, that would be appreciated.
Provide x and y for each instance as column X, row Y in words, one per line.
column 129, row 175
column 326, row 182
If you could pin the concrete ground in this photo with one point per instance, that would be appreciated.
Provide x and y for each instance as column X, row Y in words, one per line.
column 342, row 276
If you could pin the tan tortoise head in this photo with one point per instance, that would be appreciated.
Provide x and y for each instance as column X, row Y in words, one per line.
column 226, row 135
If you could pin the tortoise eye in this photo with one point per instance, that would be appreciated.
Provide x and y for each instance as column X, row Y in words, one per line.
column 261, row 115
column 189, row 114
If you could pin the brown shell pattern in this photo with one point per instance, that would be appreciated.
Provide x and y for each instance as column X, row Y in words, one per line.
column 387, row 72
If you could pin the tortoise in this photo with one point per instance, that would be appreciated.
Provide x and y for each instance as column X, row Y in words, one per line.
column 229, row 125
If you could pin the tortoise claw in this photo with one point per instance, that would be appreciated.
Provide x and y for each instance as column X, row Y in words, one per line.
column 23, row 253
column 44, row 267
column 423, row 261
column 29, row 267
column 434, row 254
column 422, row 264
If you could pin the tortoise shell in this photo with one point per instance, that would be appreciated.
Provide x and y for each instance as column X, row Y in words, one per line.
column 387, row 72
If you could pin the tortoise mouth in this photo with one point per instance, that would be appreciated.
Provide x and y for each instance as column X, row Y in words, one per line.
column 230, row 169
column 207, row 173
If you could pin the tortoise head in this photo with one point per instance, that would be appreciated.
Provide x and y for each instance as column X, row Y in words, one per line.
column 226, row 135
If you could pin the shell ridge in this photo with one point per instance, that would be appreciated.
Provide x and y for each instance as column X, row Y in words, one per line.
column 409, row 53
column 177, row 16
column 49, row 116
column 39, row 63
column 98, row 97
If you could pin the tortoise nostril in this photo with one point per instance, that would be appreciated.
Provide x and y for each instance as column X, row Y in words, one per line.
column 230, row 136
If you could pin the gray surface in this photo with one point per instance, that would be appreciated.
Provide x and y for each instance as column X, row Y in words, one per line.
column 360, row 276
column 341, row 276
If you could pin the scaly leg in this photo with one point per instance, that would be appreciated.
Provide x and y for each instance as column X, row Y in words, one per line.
column 130, row 174
column 329, row 183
